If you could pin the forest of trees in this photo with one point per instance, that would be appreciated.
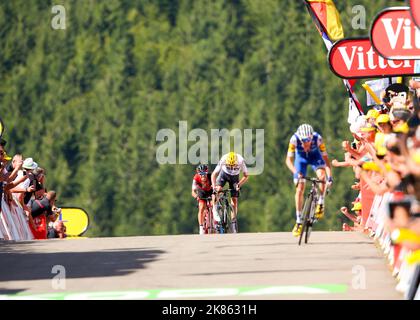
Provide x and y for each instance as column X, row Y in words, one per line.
column 87, row 102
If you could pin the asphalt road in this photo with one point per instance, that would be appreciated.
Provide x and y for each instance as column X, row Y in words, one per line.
column 335, row 265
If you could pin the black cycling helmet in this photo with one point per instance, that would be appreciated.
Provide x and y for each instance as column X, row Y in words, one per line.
column 202, row 168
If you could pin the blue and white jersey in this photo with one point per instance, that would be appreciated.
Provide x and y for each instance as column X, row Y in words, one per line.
column 296, row 146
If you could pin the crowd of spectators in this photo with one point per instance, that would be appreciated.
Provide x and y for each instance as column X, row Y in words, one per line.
column 23, row 183
column 385, row 158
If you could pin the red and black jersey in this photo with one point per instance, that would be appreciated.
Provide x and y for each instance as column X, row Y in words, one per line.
column 206, row 186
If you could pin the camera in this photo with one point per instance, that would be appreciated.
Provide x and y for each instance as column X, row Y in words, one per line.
column 386, row 99
column 9, row 167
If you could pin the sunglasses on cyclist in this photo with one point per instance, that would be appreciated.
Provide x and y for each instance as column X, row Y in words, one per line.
column 202, row 173
column 304, row 140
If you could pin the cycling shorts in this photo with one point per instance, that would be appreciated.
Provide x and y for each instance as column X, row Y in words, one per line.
column 203, row 195
column 313, row 159
column 232, row 180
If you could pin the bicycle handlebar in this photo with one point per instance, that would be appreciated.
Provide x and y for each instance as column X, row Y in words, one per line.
column 313, row 180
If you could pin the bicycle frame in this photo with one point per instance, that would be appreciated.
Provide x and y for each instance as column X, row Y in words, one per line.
column 309, row 209
column 225, row 213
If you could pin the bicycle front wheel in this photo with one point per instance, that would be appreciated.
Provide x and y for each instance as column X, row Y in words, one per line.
column 305, row 218
column 308, row 231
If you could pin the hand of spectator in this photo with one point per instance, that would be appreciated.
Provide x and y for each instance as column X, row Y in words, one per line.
column 27, row 212
column 334, row 162
column 346, row 145
column 344, row 210
column 414, row 84
column 383, row 94
column 31, row 188
column 356, row 186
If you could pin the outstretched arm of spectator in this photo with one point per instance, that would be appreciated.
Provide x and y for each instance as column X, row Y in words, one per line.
column 336, row 163
column 345, row 211
column 357, row 154
column 414, row 84
column 19, row 189
column 377, row 188
column 17, row 165
column 11, row 187
column 348, row 162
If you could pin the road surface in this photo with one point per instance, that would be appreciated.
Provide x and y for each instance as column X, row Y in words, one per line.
column 335, row 265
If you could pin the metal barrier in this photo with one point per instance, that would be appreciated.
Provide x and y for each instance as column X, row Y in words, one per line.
column 405, row 268
column 13, row 221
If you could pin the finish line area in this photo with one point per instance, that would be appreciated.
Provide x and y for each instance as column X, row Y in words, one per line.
column 335, row 265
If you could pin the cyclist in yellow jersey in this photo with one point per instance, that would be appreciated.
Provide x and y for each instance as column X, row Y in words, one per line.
column 228, row 170
column 307, row 148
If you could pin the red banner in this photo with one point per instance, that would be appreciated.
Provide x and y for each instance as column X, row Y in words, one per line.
column 394, row 35
column 415, row 11
column 356, row 58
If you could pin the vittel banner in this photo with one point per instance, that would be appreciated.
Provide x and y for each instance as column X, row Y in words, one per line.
column 415, row 11
column 356, row 58
column 394, row 35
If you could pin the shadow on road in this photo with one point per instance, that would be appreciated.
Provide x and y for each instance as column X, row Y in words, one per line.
column 20, row 265
column 295, row 244
column 11, row 291
column 254, row 272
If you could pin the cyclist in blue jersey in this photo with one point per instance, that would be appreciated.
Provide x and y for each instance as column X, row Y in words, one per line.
column 307, row 148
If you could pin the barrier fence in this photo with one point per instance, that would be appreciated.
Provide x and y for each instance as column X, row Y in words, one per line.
column 13, row 221
column 404, row 262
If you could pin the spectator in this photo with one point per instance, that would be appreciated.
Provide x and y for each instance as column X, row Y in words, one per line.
column 371, row 117
column 56, row 229
column 29, row 166
column 41, row 210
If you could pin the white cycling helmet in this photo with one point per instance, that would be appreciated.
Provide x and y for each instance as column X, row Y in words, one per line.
column 305, row 132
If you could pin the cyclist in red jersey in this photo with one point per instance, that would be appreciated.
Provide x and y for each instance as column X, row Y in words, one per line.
column 201, row 190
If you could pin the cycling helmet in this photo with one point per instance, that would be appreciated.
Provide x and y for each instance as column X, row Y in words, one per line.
column 305, row 132
column 202, row 168
column 232, row 159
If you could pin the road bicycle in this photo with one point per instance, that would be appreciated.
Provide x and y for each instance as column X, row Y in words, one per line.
column 224, row 209
column 308, row 213
column 209, row 223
